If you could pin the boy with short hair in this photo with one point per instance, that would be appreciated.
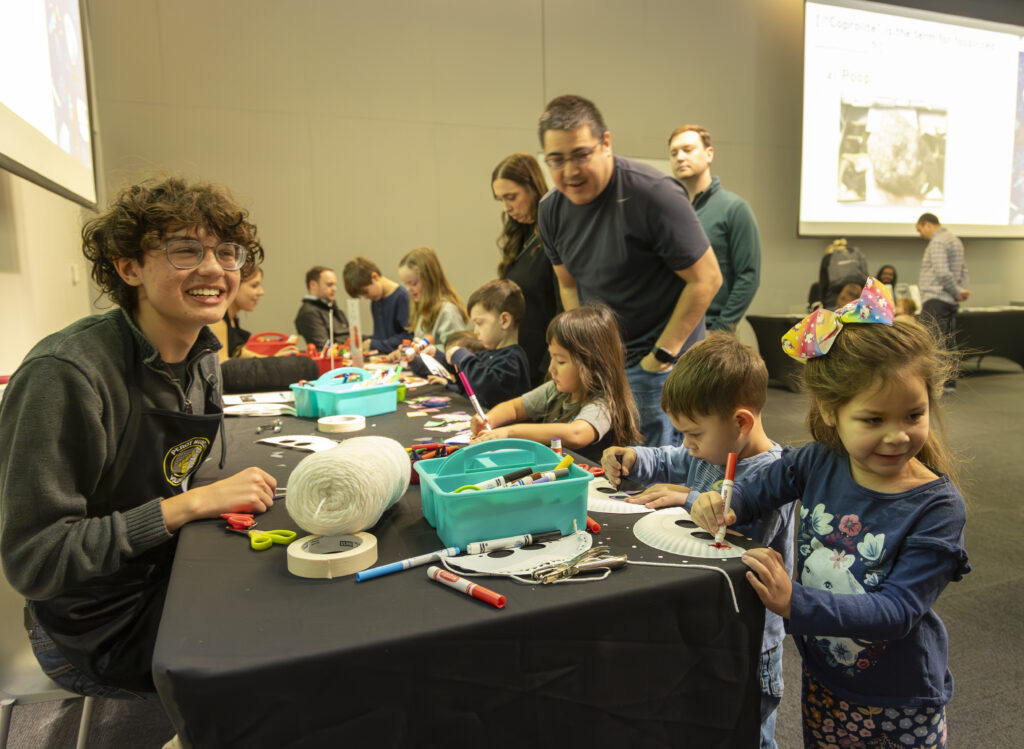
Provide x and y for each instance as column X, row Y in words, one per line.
column 714, row 396
column 389, row 303
column 501, row 371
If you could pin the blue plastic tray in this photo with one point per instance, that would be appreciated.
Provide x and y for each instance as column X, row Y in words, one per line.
column 329, row 396
column 495, row 513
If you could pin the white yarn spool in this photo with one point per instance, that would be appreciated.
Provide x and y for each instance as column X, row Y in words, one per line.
column 347, row 489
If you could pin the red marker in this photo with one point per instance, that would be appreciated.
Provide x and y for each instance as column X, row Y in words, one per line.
column 462, row 585
column 730, row 474
column 592, row 525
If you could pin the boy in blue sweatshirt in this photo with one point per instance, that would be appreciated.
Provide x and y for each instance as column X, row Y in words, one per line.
column 389, row 304
column 714, row 396
column 501, row 371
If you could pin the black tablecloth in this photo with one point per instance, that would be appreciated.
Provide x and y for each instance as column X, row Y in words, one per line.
column 250, row 656
column 992, row 332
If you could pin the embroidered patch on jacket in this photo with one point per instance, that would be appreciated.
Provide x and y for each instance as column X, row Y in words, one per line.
column 184, row 458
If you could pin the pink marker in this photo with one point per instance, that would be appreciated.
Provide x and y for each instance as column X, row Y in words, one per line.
column 465, row 586
column 730, row 475
column 473, row 400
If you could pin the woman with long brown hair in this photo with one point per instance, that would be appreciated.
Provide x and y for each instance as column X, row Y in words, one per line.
column 518, row 183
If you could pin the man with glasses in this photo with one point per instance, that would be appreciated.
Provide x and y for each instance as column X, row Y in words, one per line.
column 104, row 423
column 313, row 321
column 624, row 234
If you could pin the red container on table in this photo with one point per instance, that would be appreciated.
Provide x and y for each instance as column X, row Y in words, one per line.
column 268, row 343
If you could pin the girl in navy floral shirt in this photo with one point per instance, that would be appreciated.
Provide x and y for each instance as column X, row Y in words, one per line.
column 880, row 534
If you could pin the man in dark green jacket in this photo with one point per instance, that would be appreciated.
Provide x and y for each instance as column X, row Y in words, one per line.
column 728, row 222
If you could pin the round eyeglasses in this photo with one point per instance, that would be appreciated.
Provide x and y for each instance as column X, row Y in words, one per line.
column 186, row 254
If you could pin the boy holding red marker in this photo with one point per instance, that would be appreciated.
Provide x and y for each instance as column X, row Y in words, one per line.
column 714, row 396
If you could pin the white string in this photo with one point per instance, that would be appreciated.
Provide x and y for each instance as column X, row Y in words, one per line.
column 524, row 580
column 725, row 574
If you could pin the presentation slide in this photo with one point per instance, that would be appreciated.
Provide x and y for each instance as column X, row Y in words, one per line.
column 45, row 132
column 907, row 112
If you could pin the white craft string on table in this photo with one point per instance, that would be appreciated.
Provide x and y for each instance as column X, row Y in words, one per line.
column 519, row 578
column 348, row 488
column 336, row 495
column 688, row 566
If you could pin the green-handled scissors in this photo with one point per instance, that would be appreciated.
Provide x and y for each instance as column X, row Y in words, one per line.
column 260, row 540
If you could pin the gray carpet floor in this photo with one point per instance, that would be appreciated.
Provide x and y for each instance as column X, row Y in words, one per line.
column 984, row 613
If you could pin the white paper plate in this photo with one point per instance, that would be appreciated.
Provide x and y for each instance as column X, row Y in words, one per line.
column 660, row 530
column 601, row 501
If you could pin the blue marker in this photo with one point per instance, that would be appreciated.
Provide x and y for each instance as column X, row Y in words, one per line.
column 405, row 564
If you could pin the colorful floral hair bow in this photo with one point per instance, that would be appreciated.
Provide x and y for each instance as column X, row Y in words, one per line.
column 814, row 335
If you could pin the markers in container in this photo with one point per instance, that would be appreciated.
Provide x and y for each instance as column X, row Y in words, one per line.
column 465, row 586
column 473, row 400
column 512, row 542
column 556, row 445
column 387, row 569
column 508, row 478
column 539, row 478
column 730, row 475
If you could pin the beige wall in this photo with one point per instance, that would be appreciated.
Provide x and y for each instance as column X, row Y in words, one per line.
column 43, row 284
column 372, row 127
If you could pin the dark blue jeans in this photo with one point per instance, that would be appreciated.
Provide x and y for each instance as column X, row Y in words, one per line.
column 654, row 423
column 771, row 694
column 57, row 667
column 941, row 316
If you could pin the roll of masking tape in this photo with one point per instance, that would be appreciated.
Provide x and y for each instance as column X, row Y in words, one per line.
column 332, row 556
column 344, row 423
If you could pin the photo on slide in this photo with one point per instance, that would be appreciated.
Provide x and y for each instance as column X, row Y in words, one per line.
column 891, row 153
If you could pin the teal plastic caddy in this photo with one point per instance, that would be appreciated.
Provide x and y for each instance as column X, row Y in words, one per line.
column 496, row 513
column 329, row 396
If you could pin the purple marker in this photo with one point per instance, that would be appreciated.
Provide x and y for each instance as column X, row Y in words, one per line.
column 537, row 478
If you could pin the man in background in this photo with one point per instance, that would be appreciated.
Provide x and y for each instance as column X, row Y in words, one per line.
column 942, row 280
column 621, row 233
column 726, row 219
column 313, row 321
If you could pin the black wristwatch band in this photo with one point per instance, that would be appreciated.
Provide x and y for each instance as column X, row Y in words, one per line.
column 663, row 355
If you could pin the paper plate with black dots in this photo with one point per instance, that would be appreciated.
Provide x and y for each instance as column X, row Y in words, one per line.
column 603, row 497
column 671, row 529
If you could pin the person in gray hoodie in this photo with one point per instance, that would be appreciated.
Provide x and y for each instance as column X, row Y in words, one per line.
column 104, row 423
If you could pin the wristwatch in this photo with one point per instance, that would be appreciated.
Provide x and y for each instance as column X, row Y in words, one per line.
column 664, row 355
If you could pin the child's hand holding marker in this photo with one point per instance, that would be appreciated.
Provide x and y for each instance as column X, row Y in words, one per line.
column 616, row 462
column 707, row 512
column 478, row 425
column 499, row 433
column 661, row 495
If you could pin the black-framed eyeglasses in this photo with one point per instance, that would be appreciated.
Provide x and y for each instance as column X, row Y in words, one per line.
column 186, row 254
column 579, row 157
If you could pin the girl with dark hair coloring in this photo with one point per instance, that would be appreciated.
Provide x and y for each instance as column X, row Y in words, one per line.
column 587, row 402
column 880, row 532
